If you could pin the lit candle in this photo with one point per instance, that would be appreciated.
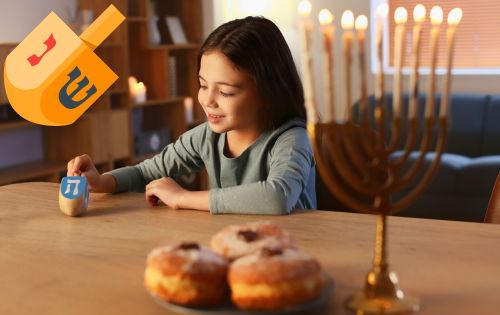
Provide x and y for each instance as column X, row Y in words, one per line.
column 381, row 13
column 400, row 17
column 454, row 18
column 188, row 110
column 132, row 82
column 139, row 92
column 418, row 18
column 325, row 18
column 361, row 24
column 436, row 20
column 307, row 72
column 347, row 23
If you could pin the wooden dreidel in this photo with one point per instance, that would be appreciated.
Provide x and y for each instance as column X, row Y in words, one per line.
column 74, row 195
column 53, row 76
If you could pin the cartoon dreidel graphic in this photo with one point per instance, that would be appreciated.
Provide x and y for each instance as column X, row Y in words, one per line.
column 53, row 76
column 74, row 195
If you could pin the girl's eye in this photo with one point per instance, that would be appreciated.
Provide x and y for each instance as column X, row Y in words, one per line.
column 203, row 87
column 226, row 94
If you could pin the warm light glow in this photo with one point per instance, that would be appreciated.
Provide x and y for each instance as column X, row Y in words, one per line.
column 436, row 15
column 325, row 17
column 347, row 20
column 400, row 15
column 455, row 16
column 305, row 8
column 382, row 10
column 361, row 23
column 419, row 13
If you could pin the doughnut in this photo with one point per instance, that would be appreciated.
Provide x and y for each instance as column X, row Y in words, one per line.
column 274, row 279
column 187, row 274
column 235, row 241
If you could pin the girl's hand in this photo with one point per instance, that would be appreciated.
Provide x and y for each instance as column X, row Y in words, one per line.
column 83, row 166
column 165, row 189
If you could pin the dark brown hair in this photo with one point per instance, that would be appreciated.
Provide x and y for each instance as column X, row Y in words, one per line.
column 256, row 45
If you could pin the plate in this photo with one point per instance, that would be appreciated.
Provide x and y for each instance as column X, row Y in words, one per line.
column 231, row 309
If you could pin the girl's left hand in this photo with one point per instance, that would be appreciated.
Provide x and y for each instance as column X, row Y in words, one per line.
column 165, row 189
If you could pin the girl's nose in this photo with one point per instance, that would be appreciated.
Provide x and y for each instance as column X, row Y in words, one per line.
column 207, row 100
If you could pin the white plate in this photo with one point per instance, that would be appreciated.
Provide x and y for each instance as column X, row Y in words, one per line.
column 231, row 309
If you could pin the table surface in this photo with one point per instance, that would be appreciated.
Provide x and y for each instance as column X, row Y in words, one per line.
column 55, row 264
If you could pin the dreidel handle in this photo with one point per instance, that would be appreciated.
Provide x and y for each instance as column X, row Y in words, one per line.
column 106, row 23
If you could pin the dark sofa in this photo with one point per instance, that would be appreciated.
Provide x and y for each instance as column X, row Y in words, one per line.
column 463, row 183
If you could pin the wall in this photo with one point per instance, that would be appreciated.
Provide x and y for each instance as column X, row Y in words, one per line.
column 19, row 17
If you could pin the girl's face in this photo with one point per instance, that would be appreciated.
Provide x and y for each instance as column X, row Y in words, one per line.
column 228, row 96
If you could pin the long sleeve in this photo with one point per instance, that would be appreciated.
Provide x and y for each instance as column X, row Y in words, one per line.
column 176, row 159
column 291, row 166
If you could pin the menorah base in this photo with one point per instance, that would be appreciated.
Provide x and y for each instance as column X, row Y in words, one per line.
column 382, row 295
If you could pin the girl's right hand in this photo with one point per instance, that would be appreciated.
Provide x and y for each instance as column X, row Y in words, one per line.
column 83, row 166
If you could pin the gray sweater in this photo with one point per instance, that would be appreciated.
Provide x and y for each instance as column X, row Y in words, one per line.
column 273, row 176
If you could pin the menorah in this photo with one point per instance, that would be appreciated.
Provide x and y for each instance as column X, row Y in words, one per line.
column 357, row 159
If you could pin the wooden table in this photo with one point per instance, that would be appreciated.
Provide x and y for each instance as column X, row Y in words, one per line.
column 54, row 264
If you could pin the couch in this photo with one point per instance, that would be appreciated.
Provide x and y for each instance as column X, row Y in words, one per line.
column 461, row 188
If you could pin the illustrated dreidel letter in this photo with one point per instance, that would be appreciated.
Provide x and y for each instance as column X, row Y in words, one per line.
column 53, row 76
column 74, row 195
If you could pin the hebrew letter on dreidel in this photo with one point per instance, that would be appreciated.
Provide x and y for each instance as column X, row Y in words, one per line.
column 74, row 195
column 67, row 99
column 36, row 80
column 50, row 43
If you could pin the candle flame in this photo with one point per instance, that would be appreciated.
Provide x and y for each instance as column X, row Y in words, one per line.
column 454, row 16
column 436, row 15
column 305, row 8
column 419, row 13
column 382, row 10
column 325, row 17
column 400, row 15
column 347, row 20
column 361, row 23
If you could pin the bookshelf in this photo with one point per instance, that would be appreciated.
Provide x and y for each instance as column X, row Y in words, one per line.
column 108, row 131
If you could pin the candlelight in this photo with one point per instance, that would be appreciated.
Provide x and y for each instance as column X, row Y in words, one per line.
column 454, row 16
column 400, row 15
column 305, row 8
column 325, row 17
column 419, row 13
column 361, row 23
column 436, row 15
column 347, row 20
column 382, row 10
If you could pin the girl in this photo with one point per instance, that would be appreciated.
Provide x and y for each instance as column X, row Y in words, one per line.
column 254, row 144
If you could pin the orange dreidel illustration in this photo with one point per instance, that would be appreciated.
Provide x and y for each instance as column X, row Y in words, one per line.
column 53, row 76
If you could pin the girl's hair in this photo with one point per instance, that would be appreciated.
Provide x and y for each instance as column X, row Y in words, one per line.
column 256, row 45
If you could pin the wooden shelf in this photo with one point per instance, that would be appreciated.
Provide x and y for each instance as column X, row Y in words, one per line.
column 137, row 19
column 175, row 46
column 105, row 131
column 15, row 124
column 24, row 172
column 165, row 101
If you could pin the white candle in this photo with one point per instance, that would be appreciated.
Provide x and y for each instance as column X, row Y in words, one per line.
column 436, row 20
column 400, row 17
column 139, row 92
column 347, row 23
column 361, row 24
column 132, row 82
column 418, row 18
column 381, row 14
column 306, row 56
column 454, row 18
column 188, row 110
column 325, row 18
